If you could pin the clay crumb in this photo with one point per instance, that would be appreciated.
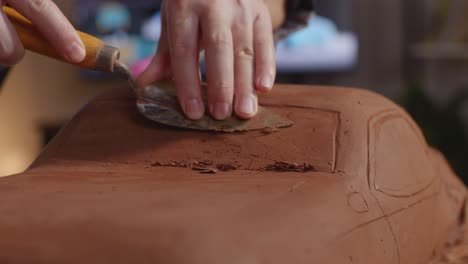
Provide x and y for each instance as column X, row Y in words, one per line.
column 205, row 163
column 205, row 167
column 290, row 167
column 270, row 130
column 226, row 167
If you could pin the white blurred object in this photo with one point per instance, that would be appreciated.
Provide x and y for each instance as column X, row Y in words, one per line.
column 151, row 29
column 338, row 53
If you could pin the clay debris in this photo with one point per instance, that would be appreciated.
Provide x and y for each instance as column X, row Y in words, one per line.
column 175, row 164
column 209, row 167
column 270, row 130
column 289, row 167
column 205, row 167
column 226, row 167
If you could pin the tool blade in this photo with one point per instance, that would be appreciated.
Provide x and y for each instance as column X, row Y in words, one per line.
column 158, row 102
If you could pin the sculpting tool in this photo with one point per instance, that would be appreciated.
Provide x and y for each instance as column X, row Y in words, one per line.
column 156, row 102
column 99, row 56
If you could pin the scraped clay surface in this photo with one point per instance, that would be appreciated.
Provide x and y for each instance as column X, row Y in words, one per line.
column 116, row 188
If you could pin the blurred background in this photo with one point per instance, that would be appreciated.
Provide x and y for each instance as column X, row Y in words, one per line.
column 414, row 52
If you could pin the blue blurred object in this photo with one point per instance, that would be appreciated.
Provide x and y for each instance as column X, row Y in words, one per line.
column 320, row 47
column 112, row 16
column 320, row 30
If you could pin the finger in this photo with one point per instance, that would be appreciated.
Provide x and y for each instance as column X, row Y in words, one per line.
column 137, row 68
column 265, row 65
column 158, row 69
column 183, row 43
column 11, row 49
column 50, row 21
column 246, row 103
column 217, row 38
column 160, row 65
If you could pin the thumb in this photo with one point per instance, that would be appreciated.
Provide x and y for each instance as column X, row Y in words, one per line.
column 160, row 66
column 158, row 69
column 11, row 49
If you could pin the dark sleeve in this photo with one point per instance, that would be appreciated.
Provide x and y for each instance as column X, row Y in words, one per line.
column 3, row 74
column 298, row 13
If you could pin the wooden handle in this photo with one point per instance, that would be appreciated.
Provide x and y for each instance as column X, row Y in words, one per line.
column 33, row 40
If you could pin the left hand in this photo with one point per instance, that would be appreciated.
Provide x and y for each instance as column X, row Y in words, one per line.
column 238, row 42
column 50, row 21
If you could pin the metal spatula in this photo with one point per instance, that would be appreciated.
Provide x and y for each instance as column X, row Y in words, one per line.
column 158, row 102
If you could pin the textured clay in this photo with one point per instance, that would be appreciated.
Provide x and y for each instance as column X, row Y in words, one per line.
column 353, row 181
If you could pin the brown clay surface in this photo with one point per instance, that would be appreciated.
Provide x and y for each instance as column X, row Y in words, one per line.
column 310, row 142
column 353, row 181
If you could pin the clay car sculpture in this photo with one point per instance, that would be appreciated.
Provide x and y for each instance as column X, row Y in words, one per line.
column 353, row 181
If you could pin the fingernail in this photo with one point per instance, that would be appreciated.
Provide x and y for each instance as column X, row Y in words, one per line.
column 76, row 52
column 220, row 110
column 194, row 109
column 247, row 107
column 266, row 82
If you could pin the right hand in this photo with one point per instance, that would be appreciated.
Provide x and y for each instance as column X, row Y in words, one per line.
column 237, row 37
column 50, row 21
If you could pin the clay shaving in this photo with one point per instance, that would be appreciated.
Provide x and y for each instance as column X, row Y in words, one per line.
column 208, row 167
column 290, row 167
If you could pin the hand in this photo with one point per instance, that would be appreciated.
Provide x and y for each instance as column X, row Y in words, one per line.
column 46, row 16
column 239, row 50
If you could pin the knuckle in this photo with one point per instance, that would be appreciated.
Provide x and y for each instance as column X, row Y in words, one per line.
column 264, row 14
column 180, row 48
column 266, row 46
column 11, row 56
column 39, row 6
column 213, row 6
column 179, row 4
column 245, row 53
column 222, row 86
column 220, row 39
column 244, row 4
column 250, row 7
